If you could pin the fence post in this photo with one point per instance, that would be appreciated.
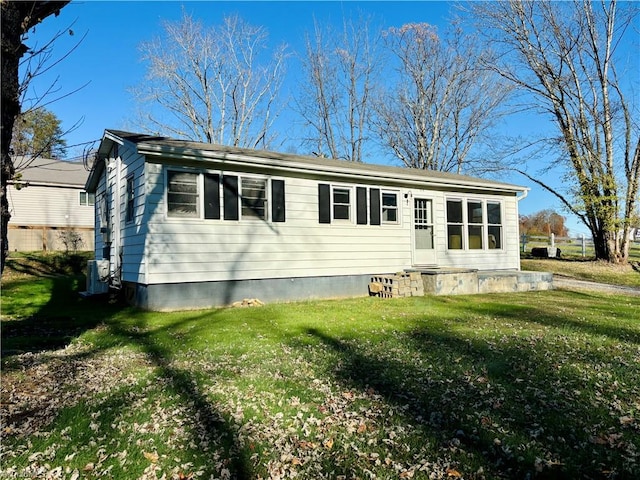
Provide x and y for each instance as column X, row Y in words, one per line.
column 553, row 240
column 584, row 246
column 523, row 240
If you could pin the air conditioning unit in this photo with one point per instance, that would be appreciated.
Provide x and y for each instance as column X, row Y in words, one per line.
column 97, row 277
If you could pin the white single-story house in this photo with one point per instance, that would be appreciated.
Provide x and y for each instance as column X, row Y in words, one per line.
column 186, row 225
column 49, row 206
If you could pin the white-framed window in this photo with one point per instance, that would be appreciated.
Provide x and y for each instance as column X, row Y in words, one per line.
column 357, row 204
column 455, row 224
column 494, row 225
column 212, row 195
column 390, row 207
column 87, row 199
column 130, row 200
column 183, row 198
column 474, row 224
column 341, row 203
column 253, row 198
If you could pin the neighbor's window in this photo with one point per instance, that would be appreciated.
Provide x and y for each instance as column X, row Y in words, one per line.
column 494, row 224
column 87, row 199
column 389, row 207
column 254, row 197
column 130, row 199
column 455, row 224
column 474, row 224
column 182, row 194
column 341, row 204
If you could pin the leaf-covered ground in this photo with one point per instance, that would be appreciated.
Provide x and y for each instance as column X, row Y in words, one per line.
column 542, row 385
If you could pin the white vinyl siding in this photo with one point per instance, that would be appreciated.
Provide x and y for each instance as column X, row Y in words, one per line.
column 127, row 253
column 52, row 206
column 201, row 250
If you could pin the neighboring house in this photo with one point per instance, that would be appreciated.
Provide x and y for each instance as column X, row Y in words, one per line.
column 49, row 206
column 187, row 225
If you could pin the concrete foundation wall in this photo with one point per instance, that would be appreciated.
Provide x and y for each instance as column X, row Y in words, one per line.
column 196, row 295
column 181, row 296
column 453, row 282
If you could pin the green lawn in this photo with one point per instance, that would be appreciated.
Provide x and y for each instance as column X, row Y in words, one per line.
column 532, row 385
column 625, row 275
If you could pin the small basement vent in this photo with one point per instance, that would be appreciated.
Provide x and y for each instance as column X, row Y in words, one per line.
column 97, row 277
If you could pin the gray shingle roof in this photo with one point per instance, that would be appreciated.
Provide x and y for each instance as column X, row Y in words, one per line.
column 47, row 171
column 151, row 145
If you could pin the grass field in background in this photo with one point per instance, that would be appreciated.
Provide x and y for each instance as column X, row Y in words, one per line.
column 531, row 385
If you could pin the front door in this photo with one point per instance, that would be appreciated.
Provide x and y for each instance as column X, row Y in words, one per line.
column 424, row 252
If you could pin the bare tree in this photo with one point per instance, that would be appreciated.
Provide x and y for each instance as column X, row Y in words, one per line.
column 340, row 69
column 211, row 84
column 562, row 56
column 442, row 102
column 17, row 19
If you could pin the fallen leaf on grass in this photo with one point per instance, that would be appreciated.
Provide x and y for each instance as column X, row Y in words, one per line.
column 152, row 457
column 328, row 444
column 452, row 472
column 626, row 420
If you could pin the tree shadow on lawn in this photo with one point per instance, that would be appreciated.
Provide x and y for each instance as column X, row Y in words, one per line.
column 66, row 316
column 510, row 409
column 213, row 428
column 600, row 303
column 57, row 323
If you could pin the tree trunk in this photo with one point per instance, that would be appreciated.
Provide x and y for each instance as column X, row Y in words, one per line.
column 12, row 51
column 17, row 18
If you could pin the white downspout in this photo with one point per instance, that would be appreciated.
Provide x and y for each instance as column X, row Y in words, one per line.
column 524, row 195
column 518, row 198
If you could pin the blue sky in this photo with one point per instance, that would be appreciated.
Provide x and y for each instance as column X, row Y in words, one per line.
column 109, row 60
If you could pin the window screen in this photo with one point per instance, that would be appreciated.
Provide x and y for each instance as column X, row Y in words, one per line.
column 254, row 198
column 182, row 194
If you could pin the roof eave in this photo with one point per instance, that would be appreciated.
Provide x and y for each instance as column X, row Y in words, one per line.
column 324, row 169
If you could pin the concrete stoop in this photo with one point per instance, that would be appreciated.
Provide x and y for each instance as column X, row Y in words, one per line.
column 454, row 281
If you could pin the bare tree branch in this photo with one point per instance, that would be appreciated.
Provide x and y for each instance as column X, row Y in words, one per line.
column 211, row 84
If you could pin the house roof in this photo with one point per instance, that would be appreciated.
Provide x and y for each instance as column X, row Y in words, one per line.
column 48, row 171
column 180, row 151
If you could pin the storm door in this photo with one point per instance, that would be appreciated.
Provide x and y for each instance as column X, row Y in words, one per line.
column 424, row 252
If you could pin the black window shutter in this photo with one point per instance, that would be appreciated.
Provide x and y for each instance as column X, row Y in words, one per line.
column 361, row 205
column 212, row 196
column 230, row 197
column 277, row 201
column 324, row 203
column 374, row 206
